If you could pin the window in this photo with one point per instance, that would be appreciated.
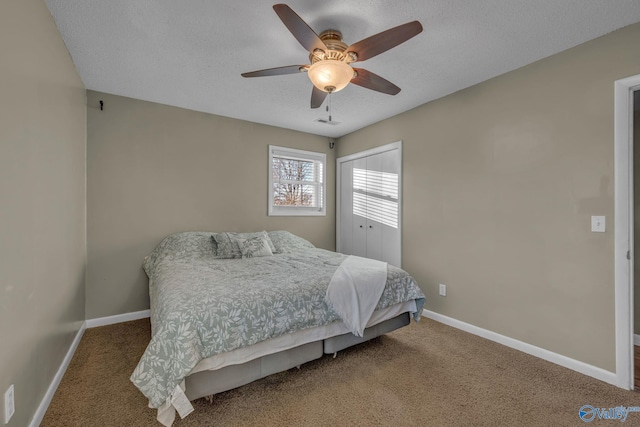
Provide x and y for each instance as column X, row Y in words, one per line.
column 296, row 182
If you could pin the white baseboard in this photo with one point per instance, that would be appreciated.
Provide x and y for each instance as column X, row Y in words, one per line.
column 558, row 359
column 46, row 400
column 118, row 318
column 636, row 339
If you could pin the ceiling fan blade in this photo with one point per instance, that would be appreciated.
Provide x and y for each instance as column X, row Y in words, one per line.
column 372, row 81
column 300, row 30
column 317, row 97
column 289, row 69
column 381, row 42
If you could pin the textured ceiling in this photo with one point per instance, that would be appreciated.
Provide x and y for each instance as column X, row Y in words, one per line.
column 190, row 53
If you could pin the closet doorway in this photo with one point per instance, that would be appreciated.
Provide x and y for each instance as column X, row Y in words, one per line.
column 369, row 204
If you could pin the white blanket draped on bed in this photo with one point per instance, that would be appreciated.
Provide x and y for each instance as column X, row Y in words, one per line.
column 355, row 289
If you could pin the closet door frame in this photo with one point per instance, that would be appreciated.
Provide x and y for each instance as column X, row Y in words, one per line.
column 381, row 149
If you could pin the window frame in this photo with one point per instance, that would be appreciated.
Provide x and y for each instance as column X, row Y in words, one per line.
column 314, row 156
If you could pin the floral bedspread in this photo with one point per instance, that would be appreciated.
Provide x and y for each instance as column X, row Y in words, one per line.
column 202, row 306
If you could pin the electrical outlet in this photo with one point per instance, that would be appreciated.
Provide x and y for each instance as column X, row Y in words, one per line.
column 443, row 290
column 9, row 404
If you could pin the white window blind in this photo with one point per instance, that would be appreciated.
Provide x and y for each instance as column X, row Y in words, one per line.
column 296, row 182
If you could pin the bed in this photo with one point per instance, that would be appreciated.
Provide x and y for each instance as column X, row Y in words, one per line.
column 230, row 308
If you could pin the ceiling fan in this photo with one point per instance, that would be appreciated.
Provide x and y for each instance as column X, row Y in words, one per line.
column 330, row 69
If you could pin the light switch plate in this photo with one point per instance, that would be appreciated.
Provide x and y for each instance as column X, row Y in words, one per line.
column 598, row 224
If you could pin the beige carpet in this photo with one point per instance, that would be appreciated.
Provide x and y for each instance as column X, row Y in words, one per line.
column 426, row 374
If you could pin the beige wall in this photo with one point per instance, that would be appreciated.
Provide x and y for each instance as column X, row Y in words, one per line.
column 42, row 194
column 500, row 181
column 155, row 170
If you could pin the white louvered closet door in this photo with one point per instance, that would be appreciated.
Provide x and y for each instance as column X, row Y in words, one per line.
column 369, row 207
column 357, row 210
column 345, row 198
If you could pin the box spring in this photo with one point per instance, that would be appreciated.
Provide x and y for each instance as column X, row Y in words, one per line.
column 205, row 383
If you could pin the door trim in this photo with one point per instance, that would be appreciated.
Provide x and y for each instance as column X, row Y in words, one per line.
column 366, row 153
column 623, row 238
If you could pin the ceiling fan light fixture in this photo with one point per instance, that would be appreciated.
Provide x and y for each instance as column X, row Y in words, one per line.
column 330, row 75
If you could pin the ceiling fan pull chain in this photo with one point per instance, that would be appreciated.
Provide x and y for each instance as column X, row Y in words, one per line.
column 329, row 107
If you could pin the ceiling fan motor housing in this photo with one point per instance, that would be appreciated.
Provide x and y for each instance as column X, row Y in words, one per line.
column 330, row 70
